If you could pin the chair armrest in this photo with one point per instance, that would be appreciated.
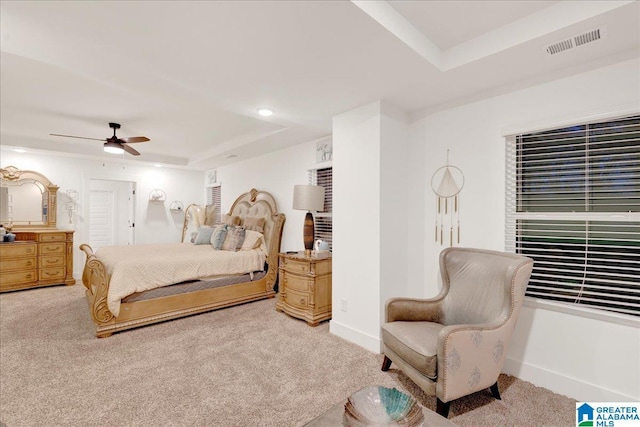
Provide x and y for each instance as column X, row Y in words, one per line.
column 413, row 310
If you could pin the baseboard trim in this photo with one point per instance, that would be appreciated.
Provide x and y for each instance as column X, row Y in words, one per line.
column 371, row 343
column 562, row 384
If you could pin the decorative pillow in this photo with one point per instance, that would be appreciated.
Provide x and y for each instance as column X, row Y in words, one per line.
column 218, row 236
column 255, row 224
column 252, row 240
column 210, row 215
column 230, row 220
column 203, row 236
column 234, row 239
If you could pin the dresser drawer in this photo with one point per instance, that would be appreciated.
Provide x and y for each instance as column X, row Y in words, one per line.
column 17, row 264
column 51, row 261
column 295, row 266
column 52, row 273
column 297, row 299
column 18, row 277
column 17, row 250
column 51, row 249
column 52, row 237
column 297, row 283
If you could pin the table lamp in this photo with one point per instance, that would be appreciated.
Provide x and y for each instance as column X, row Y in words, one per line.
column 308, row 198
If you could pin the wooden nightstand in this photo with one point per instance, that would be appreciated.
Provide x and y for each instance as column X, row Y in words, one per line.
column 305, row 286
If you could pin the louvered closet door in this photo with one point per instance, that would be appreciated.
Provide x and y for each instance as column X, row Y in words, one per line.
column 111, row 213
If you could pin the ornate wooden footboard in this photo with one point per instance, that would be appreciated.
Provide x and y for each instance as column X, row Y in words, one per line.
column 145, row 312
column 96, row 280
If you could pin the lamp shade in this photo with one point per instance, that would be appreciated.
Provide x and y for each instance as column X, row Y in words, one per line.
column 308, row 197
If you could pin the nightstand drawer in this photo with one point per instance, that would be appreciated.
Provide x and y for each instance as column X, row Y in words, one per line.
column 17, row 264
column 52, row 273
column 295, row 266
column 51, row 249
column 51, row 261
column 297, row 283
column 297, row 299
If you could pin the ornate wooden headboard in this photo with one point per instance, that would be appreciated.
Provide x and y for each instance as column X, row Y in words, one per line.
column 252, row 204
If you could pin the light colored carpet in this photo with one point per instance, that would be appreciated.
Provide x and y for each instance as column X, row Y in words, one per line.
column 242, row 366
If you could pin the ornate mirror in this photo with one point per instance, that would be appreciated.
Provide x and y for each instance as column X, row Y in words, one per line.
column 27, row 198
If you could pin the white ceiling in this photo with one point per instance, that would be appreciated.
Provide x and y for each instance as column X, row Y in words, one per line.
column 191, row 75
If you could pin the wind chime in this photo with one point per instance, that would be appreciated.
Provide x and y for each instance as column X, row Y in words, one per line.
column 447, row 182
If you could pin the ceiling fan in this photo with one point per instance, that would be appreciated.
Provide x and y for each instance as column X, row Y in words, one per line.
column 114, row 144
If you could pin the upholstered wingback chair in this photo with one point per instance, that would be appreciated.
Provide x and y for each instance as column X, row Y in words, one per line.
column 455, row 344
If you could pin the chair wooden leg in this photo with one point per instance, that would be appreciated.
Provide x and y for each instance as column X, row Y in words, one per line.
column 442, row 408
column 386, row 364
column 495, row 391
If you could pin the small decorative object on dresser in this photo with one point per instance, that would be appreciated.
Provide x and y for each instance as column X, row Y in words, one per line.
column 305, row 286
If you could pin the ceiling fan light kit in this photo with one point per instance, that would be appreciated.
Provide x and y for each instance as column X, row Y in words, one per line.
column 114, row 145
column 113, row 148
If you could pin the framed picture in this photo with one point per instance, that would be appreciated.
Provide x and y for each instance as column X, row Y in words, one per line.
column 211, row 177
column 324, row 151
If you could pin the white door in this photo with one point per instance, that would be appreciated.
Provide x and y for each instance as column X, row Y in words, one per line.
column 111, row 213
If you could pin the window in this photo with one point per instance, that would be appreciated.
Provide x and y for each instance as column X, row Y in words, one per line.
column 214, row 198
column 573, row 205
column 323, row 220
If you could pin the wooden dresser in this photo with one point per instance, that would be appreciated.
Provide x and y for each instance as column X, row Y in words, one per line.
column 38, row 257
column 305, row 287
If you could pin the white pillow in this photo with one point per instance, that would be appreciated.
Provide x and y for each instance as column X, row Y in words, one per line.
column 252, row 240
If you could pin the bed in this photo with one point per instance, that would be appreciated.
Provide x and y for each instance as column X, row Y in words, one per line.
column 132, row 286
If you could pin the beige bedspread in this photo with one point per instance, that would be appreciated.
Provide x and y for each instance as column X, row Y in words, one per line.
column 138, row 268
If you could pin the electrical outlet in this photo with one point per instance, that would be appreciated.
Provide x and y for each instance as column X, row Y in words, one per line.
column 343, row 305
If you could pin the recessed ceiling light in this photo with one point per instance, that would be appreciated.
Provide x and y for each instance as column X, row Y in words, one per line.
column 266, row 112
column 19, row 150
column 158, row 165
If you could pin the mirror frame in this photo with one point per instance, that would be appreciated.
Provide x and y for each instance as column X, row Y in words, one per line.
column 50, row 194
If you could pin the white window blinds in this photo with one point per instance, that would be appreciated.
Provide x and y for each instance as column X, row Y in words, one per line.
column 323, row 220
column 573, row 205
column 214, row 198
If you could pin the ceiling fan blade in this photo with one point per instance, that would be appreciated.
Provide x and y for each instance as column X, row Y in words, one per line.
column 79, row 137
column 129, row 150
column 135, row 139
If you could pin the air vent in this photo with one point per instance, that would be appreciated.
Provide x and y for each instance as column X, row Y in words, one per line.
column 560, row 47
column 575, row 41
column 589, row 37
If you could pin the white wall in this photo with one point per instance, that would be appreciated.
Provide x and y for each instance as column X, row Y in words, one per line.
column 275, row 173
column 356, row 225
column 584, row 358
column 154, row 222
column 395, row 190
column 370, row 233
